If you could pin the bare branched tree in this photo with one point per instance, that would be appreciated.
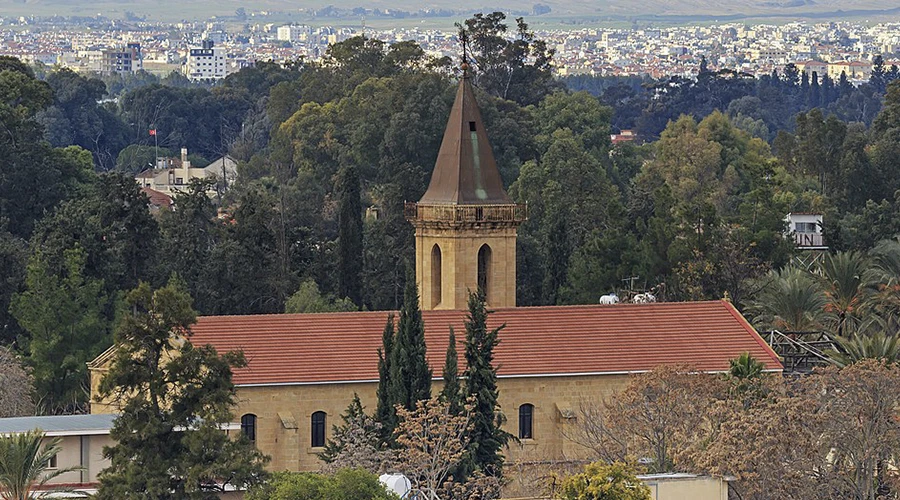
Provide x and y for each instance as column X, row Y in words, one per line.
column 15, row 386
column 432, row 442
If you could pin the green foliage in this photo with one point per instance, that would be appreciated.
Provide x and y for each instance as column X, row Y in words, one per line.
column 599, row 481
column 789, row 300
column 451, row 392
column 34, row 177
column 190, row 234
column 249, row 271
column 745, row 367
column 77, row 117
column 308, row 299
column 204, row 121
column 25, row 465
column 879, row 345
column 385, row 412
column 486, row 437
column 350, row 236
column 410, row 375
column 137, row 157
column 517, row 70
column 746, row 376
column 112, row 225
column 64, row 318
column 174, row 398
column 346, row 484
column 569, row 196
column 13, row 259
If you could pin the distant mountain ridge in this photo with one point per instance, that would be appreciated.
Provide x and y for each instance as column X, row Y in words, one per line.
column 663, row 10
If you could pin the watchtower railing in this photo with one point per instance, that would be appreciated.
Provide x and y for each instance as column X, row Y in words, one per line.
column 461, row 214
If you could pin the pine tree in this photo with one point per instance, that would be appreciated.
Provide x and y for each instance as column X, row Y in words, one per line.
column 385, row 413
column 409, row 371
column 174, row 400
column 486, row 438
column 64, row 317
column 452, row 392
column 350, row 237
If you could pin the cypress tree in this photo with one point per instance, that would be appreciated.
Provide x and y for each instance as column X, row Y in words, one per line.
column 815, row 95
column 409, row 371
column 350, row 236
column 486, row 437
column 384, row 411
column 452, row 393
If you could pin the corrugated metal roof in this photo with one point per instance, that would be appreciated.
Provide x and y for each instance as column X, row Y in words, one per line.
column 549, row 341
column 59, row 424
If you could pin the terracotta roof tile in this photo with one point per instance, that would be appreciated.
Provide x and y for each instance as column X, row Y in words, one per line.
column 157, row 198
column 557, row 340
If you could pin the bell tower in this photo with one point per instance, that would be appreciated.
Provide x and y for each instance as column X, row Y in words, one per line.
column 465, row 222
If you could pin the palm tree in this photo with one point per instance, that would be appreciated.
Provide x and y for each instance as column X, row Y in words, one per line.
column 791, row 301
column 745, row 367
column 745, row 375
column 886, row 270
column 846, row 280
column 24, row 464
column 872, row 342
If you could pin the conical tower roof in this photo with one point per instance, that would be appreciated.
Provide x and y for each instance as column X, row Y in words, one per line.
column 465, row 172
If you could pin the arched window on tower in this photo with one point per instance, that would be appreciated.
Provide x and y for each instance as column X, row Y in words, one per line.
column 435, row 276
column 248, row 426
column 526, row 421
column 484, row 271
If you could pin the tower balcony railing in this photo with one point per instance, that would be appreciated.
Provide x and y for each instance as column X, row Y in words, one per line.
column 462, row 214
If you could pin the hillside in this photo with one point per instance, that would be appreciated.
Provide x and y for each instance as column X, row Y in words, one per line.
column 590, row 11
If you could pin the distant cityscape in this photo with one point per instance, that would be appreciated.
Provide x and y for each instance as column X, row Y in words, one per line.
column 209, row 51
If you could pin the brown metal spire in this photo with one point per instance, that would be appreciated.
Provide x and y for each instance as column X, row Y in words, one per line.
column 465, row 172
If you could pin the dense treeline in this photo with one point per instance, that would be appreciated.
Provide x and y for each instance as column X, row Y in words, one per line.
column 328, row 152
column 762, row 106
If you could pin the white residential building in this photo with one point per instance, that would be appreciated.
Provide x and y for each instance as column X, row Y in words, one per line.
column 173, row 175
column 292, row 33
column 206, row 63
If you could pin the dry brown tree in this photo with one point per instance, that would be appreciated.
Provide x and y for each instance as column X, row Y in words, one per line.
column 15, row 386
column 859, row 406
column 432, row 443
column 830, row 435
column 658, row 415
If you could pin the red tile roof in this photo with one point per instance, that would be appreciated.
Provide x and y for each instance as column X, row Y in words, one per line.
column 557, row 340
column 157, row 198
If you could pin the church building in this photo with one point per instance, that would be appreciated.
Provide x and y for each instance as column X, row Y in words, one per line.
column 303, row 369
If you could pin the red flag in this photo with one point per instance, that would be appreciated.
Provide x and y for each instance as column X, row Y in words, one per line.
column 152, row 131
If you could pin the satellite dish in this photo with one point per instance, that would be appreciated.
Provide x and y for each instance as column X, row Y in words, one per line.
column 398, row 483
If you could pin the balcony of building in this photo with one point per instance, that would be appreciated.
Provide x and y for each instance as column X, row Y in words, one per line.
column 466, row 214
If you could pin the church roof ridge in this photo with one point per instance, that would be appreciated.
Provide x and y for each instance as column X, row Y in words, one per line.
column 322, row 348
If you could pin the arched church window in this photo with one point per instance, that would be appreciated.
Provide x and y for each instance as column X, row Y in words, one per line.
column 526, row 421
column 484, row 271
column 248, row 426
column 318, row 429
column 435, row 275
